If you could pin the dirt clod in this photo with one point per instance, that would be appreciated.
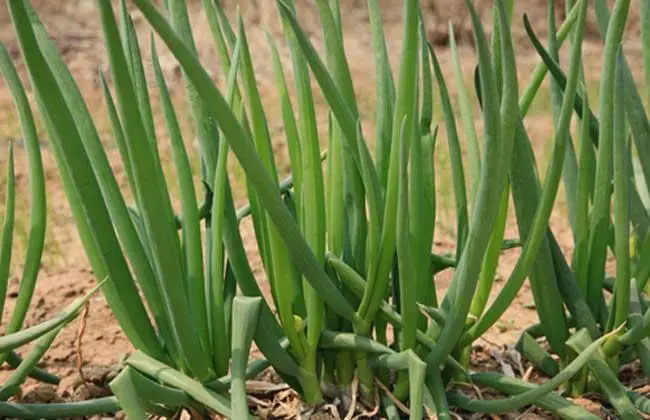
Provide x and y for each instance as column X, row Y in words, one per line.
column 39, row 394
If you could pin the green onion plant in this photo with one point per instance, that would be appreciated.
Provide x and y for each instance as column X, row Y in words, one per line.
column 346, row 246
column 16, row 335
column 36, row 239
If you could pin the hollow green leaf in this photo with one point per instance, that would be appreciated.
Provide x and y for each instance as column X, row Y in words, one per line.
column 83, row 192
column 191, row 229
column 37, row 209
column 499, row 131
column 404, row 245
column 357, row 285
column 467, row 117
column 534, row 394
column 340, row 109
column 586, row 177
column 531, row 89
column 570, row 172
column 133, row 56
column 560, row 79
column 458, row 172
column 267, row 189
column 642, row 271
column 404, row 113
column 289, row 120
column 354, row 225
column 215, row 286
column 14, row 360
column 12, row 385
column 283, row 280
column 14, row 340
column 154, row 397
column 205, row 122
column 490, row 261
column 59, row 410
column 421, row 188
column 126, row 392
column 313, row 207
column 635, row 317
column 109, row 187
column 547, row 300
column 417, row 370
column 156, row 208
column 621, row 199
column 174, row 378
column 8, row 228
column 590, row 129
column 610, row 384
column 336, row 55
column 635, row 111
column 350, row 341
column 540, row 358
column 645, row 41
column 385, row 88
column 245, row 315
column 436, row 390
column 552, row 402
column 118, row 131
column 599, row 223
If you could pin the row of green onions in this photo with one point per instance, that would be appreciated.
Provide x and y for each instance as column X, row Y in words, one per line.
column 346, row 246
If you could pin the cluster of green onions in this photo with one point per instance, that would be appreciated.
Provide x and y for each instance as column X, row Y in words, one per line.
column 346, row 246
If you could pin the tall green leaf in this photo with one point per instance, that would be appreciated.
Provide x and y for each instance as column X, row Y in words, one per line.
column 206, row 125
column 156, row 208
column 84, row 193
column 599, row 224
column 191, row 229
column 6, row 246
column 499, row 131
column 37, row 210
column 267, row 189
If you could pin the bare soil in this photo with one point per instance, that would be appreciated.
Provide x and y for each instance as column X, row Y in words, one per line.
column 66, row 274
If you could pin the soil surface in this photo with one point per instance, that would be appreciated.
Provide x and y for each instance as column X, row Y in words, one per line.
column 100, row 346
